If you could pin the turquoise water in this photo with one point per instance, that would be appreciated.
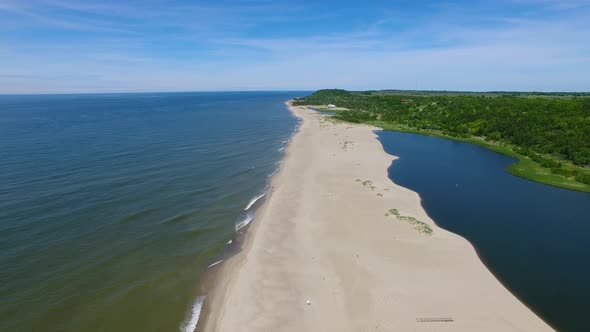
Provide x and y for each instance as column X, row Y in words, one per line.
column 112, row 205
column 532, row 236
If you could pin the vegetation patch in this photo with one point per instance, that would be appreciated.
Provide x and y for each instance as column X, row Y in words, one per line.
column 367, row 183
column 418, row 225
column 346, row 145
column 326, row 108
column 393, row 212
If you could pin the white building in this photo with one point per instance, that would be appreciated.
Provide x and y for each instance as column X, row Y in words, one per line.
column 331, row 106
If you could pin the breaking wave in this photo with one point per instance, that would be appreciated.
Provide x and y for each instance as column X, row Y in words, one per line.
column 190, row 324
column 244, row 222
column 254, row 200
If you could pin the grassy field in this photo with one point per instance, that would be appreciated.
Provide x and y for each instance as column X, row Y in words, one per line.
column 324, row 108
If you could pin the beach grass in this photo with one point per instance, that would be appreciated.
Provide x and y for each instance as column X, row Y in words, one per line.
column 420, row 226
column 393, row 212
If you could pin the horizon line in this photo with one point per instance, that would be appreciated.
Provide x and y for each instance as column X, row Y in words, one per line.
column 289, row 90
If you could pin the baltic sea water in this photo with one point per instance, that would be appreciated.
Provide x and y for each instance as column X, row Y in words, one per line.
column 112, row 205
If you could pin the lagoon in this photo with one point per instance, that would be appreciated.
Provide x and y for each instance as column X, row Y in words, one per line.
column 533, row 237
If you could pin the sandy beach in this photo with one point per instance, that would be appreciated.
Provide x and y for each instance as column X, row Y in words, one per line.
column 337, row 246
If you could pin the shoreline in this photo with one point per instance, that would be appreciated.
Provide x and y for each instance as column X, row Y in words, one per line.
column 213, row 278
column 358, row 268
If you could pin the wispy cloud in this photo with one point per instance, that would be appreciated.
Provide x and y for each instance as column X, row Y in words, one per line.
column 73, row 46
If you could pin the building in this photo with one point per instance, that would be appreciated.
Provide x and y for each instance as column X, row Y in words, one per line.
column 331, row 106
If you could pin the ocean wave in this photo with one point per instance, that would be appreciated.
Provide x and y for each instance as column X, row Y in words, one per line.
column 137, row 215
column 281, row 149
column 273, row 173
column 219, row 261
column 190, row 324
column 254, row 200
column 175, row 219
column 244, row 222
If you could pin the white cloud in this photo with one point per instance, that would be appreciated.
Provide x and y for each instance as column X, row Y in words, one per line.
column 514, row 54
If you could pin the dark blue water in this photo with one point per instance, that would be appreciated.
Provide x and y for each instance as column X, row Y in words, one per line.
column 533, row 237
column 111, row 205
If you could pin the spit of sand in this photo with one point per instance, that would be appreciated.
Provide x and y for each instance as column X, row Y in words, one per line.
column 328, row 234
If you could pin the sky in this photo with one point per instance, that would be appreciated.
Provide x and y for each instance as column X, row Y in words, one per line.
column 68, row 46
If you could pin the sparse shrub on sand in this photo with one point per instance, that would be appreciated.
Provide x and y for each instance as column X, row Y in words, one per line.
column 420, row 226
column 394, row 212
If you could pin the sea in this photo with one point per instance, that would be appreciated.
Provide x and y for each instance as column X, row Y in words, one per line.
column 112, row 206
column 533, row 237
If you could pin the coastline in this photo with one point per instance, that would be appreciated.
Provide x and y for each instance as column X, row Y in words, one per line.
column 324, row 234
column 212, row 285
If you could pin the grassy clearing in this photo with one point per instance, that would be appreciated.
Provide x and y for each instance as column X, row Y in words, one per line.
column 325, row 108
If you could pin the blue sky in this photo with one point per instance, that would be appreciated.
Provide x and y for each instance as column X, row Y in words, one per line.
column 49, row 46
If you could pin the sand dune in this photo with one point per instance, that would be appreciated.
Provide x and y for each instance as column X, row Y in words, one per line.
column 328, row 234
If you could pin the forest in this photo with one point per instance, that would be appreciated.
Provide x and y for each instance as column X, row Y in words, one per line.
column 552, row 130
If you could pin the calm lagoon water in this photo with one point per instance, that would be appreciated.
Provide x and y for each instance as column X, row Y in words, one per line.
column 533, row 237
column 112, row 205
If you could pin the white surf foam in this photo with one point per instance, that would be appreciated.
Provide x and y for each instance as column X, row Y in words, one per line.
column 244, row 222
column 219, row 261
column 273, row 173
column 190, row 324
column 253, row 200
column 281, row 149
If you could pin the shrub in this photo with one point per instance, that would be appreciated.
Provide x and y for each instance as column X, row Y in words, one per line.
column 561, row 171
column 584, row 178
